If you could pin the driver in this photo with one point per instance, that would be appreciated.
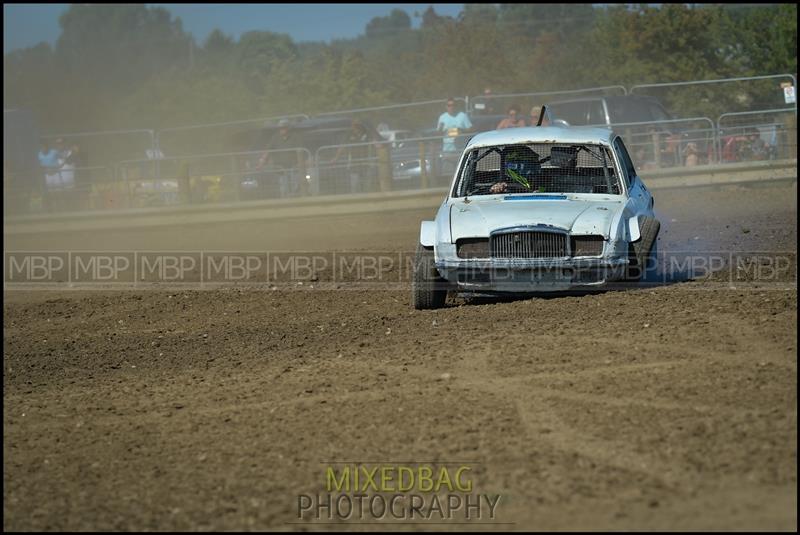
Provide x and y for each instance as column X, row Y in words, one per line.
column 520, row 165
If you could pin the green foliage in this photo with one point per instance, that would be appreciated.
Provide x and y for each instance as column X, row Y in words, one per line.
column 117, row 45
column 257, row 53
column 132, row 66
column 397, row 21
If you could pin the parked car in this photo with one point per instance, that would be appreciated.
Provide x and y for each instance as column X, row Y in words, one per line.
column 596, row 111
column 537, row 209
column 396, row 137
column 312, row 134
column 655, row 143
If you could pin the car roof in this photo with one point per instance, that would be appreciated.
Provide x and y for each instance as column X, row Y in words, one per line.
column 611, row 98
column 542, row 134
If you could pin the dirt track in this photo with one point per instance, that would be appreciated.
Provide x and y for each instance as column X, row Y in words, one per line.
column 668, row 407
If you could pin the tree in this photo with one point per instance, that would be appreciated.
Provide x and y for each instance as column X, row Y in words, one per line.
column 397, row 21
column 757, row 50
column 120, row 44
column 258, row 53
column 531, row 20
column 218, row 43
column 431, row 20
column 126, row 66
column 479, row 14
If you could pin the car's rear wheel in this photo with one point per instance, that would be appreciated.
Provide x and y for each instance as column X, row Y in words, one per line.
column 428, row 289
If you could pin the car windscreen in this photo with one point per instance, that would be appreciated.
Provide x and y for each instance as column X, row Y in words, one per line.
column 538, row 168
column 575, row 113
column 631, row 110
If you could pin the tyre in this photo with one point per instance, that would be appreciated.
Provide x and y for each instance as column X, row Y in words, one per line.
column 428, row 289
column 642, row 252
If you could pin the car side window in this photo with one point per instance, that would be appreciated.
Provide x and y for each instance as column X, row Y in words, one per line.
column 629, row 171
column 575, row 113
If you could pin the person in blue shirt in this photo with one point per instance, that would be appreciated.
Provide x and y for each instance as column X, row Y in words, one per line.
column 453, row 124
column 48, row 156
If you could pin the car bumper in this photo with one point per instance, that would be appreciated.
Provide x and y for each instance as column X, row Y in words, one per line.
column 535, row 275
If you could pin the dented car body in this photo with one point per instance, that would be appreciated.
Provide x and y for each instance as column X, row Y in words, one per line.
column 537, row 209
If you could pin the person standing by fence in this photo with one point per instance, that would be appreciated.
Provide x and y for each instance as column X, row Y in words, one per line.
column 288, row 163
column 356, row 147
column 453, row 125
column 512, row 120
column 51, row 166
column 536, row 111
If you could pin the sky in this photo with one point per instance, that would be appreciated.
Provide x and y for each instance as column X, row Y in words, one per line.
column 25, row 25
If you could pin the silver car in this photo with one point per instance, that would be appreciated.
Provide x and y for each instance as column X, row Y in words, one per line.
column 537, row 209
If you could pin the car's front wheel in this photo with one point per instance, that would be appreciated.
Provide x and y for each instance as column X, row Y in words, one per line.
column 428, row 289
column 643, row 253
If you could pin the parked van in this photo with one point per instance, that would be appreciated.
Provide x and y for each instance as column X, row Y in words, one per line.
column 656, row 140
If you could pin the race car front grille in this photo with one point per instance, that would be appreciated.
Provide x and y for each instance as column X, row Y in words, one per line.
column 587, row 245
column 529, row 244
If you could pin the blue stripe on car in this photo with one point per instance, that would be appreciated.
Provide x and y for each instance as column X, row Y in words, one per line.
column 534, row 197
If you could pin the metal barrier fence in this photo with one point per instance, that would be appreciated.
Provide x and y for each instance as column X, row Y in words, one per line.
column 668, row 143
column 108, row 147
column 411, row 116
column 216, row 137
column 121, row 178
column 222, row 177
column 380, row 165
column 757, row 135
column 708, row 98
column 711, row 98
column 63, row 189
column 415, row 163
column 498, row 104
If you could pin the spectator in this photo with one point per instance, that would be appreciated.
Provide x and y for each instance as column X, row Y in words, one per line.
column 692, row 155
column 512, row 120
column 536, row 111
column 758, row 148
column 67, row 164
column 77, row 159
column 49, row 160
column 357, row 151
column 289, row 163
column 483, row 105
column 670, row 152
column 452, row 124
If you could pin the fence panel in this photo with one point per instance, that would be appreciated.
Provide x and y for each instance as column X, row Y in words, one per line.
column 757, row 135
column 108, row 147
column 232, row 136
column 669, row 143
column 410, row 117
column 712, row 98
column 416, row 163
column 67, row 189
column 496, row 105
column 222, row 177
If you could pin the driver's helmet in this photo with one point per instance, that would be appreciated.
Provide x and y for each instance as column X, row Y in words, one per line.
column 521, row 159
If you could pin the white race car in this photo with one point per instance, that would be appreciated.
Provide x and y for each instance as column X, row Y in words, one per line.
column 537, row 209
